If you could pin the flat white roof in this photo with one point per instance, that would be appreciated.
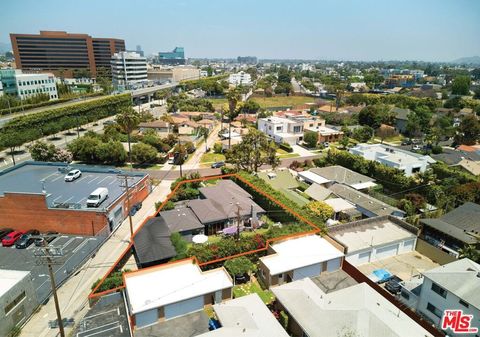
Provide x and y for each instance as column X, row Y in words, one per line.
column 361, row 186
column 308, row 175
column 9, row 278
column 246, row 316
column 358, row 308
column 166, row 284
column 339, row 204
column 361, row 237
column 300, row 252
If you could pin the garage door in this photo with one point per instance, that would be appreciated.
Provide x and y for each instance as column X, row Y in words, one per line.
column 386, row 251
column 308, row 271
column 408, row 246
column 146, row 318
column 183, row 307
column 364, row 257
column 333, row 265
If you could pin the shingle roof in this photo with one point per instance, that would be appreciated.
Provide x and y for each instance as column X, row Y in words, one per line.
column 459, row 222
column 152, row 242
column 318, row 192
column 400, row 113
column 460, row 278
column 341, row 175
column 220, row 202
column 363, row 200
column 180, row 219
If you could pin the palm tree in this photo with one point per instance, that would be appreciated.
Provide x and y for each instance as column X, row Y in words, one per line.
column 470, row 252
column 204, row 133
column 233, row 97
column 128, row 119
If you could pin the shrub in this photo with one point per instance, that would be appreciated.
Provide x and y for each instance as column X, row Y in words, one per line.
column 286, row 147
column 143, row 153
column 320, row 209
column 112, row 281
column 180, row 245
column 436, row 149
column 239, row 266
column 218, row 148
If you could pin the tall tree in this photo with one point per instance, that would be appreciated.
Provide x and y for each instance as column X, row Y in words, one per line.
column 253, row 151
column 461, row 85
column 233, row 97
column 204, row 133
column 468, row 131
column 12, row 140
column 128, row 119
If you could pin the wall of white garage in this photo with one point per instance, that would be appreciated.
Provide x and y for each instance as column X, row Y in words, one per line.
column 376, row 253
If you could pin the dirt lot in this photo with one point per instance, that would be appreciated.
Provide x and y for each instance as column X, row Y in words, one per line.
column 403, row 265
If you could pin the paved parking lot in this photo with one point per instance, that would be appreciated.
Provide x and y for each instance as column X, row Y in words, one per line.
column 404, row 265
column 75, row 249
column 37, row 178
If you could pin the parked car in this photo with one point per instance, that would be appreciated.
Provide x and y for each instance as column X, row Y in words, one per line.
column 4, row 232
column 26, row 239
column 416, row 148
column 97, row 197
column 39, row 241
column 326, row 144
column 9, row 240
column 407, row 142
column 218, row 164
column 73, row 175
column 393, row 285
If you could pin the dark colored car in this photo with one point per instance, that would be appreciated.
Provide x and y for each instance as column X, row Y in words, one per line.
column 52, row 236
column 134, row 209
column 10, row 238
column 218, row 164
column 393, row 285
column 4, row 232
column 26, row 239
column 407, row 142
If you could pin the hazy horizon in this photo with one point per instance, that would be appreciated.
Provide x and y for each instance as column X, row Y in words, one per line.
column 430, row 31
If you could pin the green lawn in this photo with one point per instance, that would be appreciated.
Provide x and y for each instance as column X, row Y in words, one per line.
column 218, row 102
column 212, row 158
column 267, row 102
column 281, row 153
column 253, row 287
column 395, row 139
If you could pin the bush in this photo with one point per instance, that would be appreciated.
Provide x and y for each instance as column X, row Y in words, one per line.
column 112, row 281
column 218, row 148
column 239, row 266
column 143, row 153
column 310, row 138
column 286, row 147
column 436, row 149
column 180, row 245
column 320, row 209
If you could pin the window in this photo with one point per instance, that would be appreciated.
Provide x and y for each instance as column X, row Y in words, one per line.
column 12, row 304
column 434, row 310
column 280, row 275
column 297, row 128
column 279, row 128
column 465, row 304
column 405, row 295
column 439, row 290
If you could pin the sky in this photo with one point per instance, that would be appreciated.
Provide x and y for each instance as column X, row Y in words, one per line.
column 366, row 30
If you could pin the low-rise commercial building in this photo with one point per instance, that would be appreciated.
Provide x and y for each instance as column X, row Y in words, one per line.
column 297, row 258
column 171, row 290
column 14, row 82
column 18, row 299
column 406, row 161
column 35, row 195
column 357, row 309
column 375, row 239
column 174, row 57
column 240, row 78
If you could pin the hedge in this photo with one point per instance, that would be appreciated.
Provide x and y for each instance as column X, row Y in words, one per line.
column 55, row 120
column 287, row 147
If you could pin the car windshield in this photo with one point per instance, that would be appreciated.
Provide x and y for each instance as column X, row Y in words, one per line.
column 70, row 174
column 24, row 236
column 94, row 197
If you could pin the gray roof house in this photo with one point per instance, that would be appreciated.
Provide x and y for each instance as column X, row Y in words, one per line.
column 342, row 175
column 318, row 192
column 364, row 203
column 219, row 204
column 456, row 228
column 401, row 118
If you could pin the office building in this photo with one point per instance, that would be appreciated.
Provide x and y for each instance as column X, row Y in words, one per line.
column 139, row 50
column 14, row 82
column 175, row 57
column 240, row 78
column 63, row 53
column 128, row 68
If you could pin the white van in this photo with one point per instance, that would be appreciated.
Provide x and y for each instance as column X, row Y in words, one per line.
column 97, row 197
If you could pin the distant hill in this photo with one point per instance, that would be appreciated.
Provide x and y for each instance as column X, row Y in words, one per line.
column 468, row 60
column 4, row 47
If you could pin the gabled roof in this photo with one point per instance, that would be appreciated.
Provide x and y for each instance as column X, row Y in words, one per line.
column 364, row 201
column 358, row 308
column 180, row 219
column 462, row 223
column 461, row 277
column 246, row 316
column 342, row 175
column 152, row 242
column 318, row 192
column 401, row 114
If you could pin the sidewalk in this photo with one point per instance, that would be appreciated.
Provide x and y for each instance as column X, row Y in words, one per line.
column 73, row 294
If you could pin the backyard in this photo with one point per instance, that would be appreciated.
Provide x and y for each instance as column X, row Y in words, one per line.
column 285, row 183
column 277, row 101
column 253, row 287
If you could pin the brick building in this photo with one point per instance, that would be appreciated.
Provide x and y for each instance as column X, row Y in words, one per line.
column 35, row 195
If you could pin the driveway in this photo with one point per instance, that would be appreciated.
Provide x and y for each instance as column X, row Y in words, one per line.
column 303, row 152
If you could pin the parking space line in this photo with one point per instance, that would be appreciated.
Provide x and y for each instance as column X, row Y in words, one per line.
column 68, row 199
column 59, row 177
column 80, row 201
column 91, row 181
column 112, row 182
column 57, row 198
column 99, row 332
column 102, row 180
column 54, row 173
column 101, row 313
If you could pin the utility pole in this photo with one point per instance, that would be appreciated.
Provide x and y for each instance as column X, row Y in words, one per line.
column 124, row 179
column 238, row 221
column 47, row 255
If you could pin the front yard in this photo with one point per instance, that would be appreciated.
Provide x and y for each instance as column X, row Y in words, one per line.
column 281, row 153
column 253, row 287
column 209, row 158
